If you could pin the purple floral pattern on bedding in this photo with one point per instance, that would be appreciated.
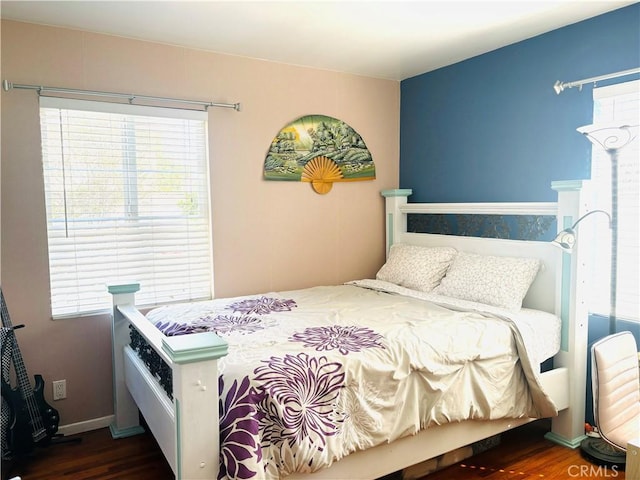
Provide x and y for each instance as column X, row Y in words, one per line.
column 220, row 324
column 345, row 339
column 171, row 329
column 239, row 420
column 226, row 324
column 293, row 400
column 308, row 389
column 262, row 305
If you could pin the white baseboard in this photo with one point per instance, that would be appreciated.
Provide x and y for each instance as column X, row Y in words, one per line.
column 86, row 426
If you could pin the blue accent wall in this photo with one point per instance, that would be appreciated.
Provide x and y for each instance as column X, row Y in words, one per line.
column 492, row 128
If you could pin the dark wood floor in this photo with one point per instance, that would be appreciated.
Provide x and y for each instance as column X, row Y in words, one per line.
column 523, row 454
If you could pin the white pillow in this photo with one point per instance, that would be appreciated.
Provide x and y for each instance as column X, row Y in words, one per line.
column 498, row 281
column 415, row 267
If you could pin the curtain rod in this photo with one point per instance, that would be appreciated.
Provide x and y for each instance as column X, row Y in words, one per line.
column 6, row 85
column 560, row 86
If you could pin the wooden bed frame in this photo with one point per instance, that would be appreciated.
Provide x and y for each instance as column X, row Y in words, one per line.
column 187, row 428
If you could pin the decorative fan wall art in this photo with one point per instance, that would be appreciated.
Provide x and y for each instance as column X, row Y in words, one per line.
column 320, row 150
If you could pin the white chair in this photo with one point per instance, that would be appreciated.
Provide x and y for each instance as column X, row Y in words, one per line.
column 616, row 388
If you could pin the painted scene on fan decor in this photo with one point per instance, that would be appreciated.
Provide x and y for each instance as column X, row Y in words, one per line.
column 320, row 150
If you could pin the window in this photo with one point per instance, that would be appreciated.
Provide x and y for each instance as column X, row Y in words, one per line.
column 618, row 104
column 127, row 200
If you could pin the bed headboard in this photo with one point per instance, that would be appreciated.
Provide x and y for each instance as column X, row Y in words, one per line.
column 558, row 288
column 545, row 292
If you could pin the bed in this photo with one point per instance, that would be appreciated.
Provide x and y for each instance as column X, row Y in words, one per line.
column 350, row 381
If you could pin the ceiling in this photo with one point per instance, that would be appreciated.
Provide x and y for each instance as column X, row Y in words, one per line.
column 382, row 39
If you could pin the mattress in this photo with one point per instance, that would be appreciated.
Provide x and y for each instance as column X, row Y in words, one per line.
column 315, row 374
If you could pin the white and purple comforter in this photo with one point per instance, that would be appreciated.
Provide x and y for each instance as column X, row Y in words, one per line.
column 315, row 374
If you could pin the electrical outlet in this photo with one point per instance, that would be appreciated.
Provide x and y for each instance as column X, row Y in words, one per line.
column 59, row 389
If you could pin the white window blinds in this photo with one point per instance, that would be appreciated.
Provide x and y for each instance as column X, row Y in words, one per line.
column 127, row 200
column 618, row 104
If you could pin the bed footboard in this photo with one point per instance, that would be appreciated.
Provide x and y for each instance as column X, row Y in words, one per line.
column 193, row 412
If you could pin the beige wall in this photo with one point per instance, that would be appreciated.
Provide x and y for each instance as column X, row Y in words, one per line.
column 266, row 235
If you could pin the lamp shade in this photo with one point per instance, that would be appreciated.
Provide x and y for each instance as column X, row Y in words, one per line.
column 566, row 239
column 609, row 137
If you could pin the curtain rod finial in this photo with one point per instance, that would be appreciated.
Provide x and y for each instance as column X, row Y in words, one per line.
column 558, row 87
column 7, row 85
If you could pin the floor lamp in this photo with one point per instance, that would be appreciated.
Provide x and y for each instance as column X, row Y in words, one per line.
column 611, row 139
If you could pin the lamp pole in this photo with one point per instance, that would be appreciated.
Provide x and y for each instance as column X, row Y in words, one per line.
column 613, row 299
column 611, row 139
